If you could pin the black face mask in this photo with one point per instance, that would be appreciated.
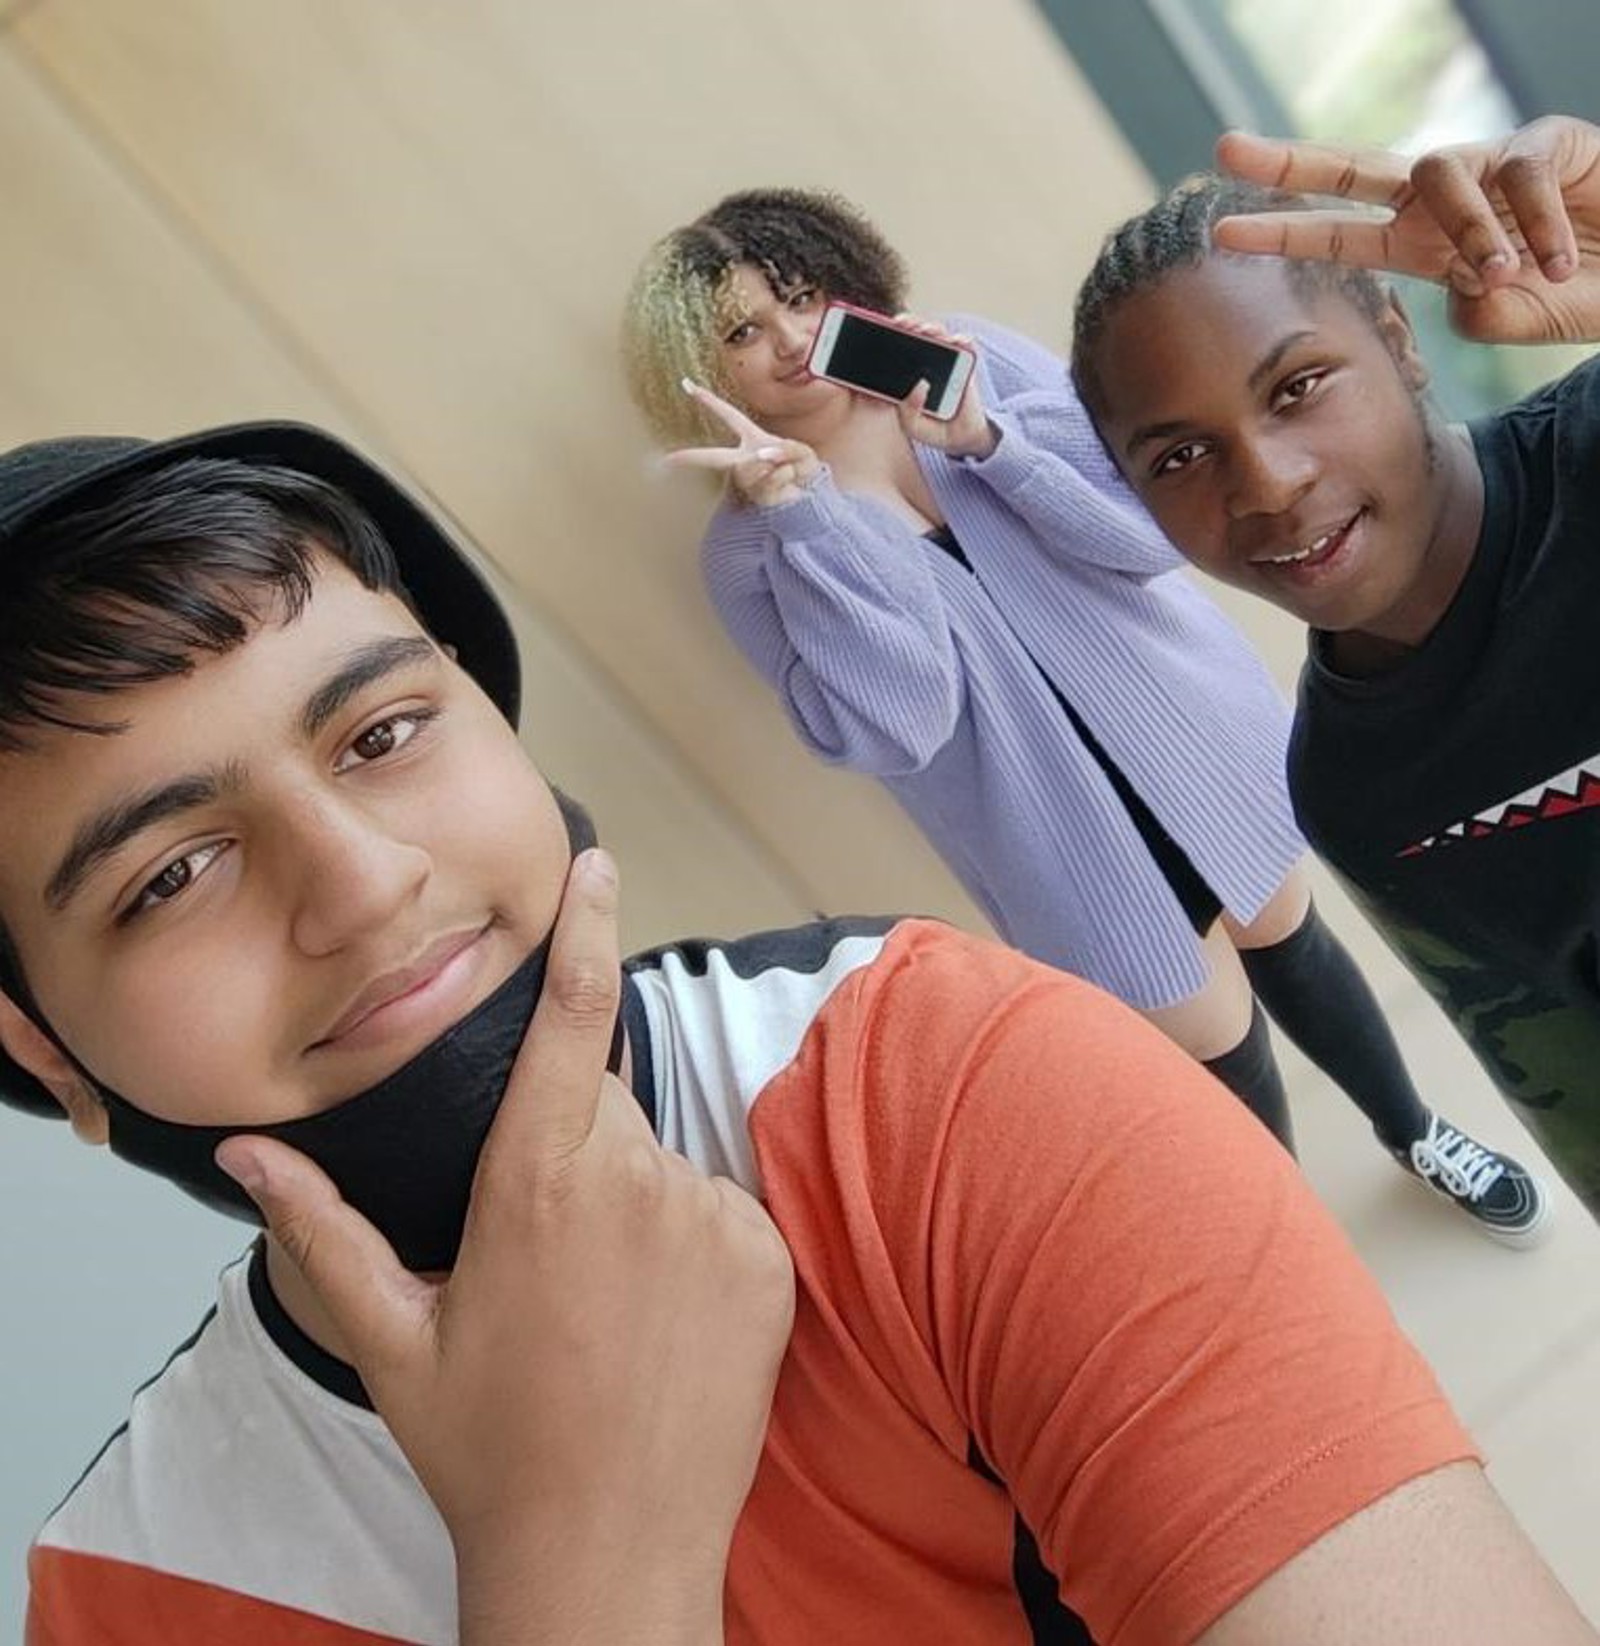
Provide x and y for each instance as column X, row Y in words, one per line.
column 403, row 1152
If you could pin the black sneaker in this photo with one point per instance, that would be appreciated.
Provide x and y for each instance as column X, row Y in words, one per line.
column 1503, row 1196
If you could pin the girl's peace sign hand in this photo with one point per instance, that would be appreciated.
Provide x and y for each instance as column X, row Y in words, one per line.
column 1510, row 227
column 763, row 469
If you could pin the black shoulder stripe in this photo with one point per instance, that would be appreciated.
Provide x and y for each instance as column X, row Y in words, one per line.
column 791, row 948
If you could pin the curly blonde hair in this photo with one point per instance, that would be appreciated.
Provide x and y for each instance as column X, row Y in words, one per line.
column 680, row 303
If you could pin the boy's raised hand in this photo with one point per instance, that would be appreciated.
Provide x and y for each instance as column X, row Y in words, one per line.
column 1510, row 227
column 584, row 1397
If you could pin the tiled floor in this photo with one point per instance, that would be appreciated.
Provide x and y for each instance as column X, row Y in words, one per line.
column 1514, row 1335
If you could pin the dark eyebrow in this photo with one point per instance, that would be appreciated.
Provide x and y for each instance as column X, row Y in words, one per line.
column 108, row 831
column 1264, row 367
column 364, row 667
column 1151, row 431
column 1268, row 363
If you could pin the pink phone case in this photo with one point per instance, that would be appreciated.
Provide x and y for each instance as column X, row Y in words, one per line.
column 883, row 320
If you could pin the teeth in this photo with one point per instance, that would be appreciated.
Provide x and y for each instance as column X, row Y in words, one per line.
column 1316, row 547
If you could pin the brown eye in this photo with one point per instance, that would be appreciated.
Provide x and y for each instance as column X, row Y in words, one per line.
column 376, row 741
column 1179, row 458
column 1301, row 387
column 170, row 881
column 383, row 738
column 173, row 881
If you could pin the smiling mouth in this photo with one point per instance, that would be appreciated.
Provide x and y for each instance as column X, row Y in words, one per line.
column 1321, row 548
column 412, row 998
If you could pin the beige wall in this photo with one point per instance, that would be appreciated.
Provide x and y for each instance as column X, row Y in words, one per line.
column 415, row 222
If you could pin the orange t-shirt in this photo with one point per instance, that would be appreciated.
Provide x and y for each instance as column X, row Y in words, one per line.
column 1057, row 1288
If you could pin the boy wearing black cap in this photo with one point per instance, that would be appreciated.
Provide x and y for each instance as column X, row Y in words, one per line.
column 271, row 861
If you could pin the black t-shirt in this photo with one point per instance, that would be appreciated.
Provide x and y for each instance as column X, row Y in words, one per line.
column 1459, row 793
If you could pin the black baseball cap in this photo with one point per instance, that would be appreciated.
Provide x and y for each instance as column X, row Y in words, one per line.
column 51, row 477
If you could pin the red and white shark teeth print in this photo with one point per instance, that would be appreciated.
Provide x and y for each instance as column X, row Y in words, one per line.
column 1575, row 790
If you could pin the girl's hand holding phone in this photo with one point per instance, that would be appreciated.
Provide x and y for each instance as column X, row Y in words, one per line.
column 763, row 469
column 969, row 433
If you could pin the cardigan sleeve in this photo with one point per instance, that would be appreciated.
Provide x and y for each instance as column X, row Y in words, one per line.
column 1050, row 465
column 839, row 611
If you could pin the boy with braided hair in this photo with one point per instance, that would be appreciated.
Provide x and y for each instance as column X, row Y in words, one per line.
column 1269, row 410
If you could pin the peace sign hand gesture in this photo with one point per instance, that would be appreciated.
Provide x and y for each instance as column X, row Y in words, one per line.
column 763, row 469
column 1511, row 228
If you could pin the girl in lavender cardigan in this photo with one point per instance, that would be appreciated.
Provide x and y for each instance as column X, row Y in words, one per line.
column 979, row 614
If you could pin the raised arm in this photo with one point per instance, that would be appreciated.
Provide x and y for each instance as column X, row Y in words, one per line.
column 1045, row 461
column 1511, row 227
column 835, row 604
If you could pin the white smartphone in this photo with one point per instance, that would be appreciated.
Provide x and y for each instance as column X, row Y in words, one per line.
column 870, row 353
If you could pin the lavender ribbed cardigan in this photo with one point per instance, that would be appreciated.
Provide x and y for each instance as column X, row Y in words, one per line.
column 893, row 660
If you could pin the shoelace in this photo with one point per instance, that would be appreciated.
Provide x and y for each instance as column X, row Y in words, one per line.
column 1466, row 1169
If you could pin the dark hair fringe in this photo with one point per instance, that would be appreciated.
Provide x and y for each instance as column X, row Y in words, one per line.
column 135, row 584
column 798, row 237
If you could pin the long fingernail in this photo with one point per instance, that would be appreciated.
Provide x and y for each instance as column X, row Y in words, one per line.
column 689, row 385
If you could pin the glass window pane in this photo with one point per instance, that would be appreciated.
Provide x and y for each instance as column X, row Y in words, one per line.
column 1404, row 74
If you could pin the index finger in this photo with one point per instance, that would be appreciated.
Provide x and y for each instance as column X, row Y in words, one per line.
column 704, row 457
column 1328, row 237
column 724, row 411
column 554, row 1089
column 1377, row 177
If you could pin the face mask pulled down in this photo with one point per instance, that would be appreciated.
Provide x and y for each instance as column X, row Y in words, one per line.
column 402, row 1152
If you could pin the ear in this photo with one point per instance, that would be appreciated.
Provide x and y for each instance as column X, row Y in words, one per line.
column 27, row 1044
column 1400, row 339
